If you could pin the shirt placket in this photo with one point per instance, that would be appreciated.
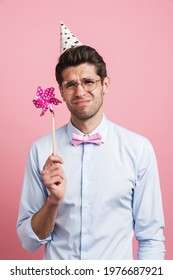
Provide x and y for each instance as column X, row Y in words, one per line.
column 87, row 203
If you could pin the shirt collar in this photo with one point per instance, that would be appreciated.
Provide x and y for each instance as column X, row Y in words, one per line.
column 102, row 128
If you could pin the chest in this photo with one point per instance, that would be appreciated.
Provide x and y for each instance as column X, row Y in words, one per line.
column 99, row 175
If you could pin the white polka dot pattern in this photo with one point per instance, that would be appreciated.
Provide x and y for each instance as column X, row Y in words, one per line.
column 67, row 39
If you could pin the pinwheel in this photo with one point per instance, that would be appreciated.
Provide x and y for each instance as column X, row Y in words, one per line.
column 45, row 99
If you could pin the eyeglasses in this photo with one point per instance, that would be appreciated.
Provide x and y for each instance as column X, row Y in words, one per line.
column 88, row 84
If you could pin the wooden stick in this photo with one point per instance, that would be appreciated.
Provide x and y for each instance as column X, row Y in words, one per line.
column 53, row 134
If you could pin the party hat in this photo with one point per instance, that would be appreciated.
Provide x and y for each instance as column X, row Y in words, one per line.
column 67, row 39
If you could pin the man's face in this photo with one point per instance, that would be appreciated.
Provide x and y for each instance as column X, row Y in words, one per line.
column 83, row 104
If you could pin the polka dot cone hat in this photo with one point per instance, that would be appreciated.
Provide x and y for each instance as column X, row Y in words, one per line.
column 67, row 39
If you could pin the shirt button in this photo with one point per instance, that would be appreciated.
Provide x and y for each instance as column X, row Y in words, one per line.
column 85, row 257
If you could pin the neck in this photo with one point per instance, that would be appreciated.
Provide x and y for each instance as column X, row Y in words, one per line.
column 87, row 126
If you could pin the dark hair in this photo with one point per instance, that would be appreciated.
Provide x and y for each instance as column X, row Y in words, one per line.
column 78, row 55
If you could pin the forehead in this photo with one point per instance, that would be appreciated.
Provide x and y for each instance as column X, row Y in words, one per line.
column 79, row 72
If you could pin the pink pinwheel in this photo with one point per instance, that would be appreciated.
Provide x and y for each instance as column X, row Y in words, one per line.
column 45, row 99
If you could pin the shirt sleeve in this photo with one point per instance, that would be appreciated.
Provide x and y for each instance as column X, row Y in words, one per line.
column 33, row 197
column 147, row 206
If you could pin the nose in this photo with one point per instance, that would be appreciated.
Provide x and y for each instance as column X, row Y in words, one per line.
column 79, row 90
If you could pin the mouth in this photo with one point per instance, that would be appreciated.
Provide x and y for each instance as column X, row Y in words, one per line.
column 81, row 102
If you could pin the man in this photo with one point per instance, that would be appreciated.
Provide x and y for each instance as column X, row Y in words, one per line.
column 88, row 201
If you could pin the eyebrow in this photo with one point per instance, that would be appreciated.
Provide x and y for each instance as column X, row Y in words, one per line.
column 88, row 77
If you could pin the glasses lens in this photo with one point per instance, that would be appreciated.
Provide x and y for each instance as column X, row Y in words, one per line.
column 89, row 84
column 69, row 87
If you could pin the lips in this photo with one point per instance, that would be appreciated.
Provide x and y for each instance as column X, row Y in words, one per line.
column 81, row 102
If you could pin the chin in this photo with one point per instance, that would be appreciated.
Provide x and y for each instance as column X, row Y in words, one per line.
column 84, row 115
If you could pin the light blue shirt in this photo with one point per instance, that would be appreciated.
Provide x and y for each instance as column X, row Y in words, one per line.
column 112, row 193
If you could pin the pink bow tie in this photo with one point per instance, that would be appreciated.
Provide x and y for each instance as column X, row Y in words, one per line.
column 79, row 139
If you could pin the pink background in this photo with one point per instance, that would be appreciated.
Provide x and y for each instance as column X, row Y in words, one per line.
column 135, row 38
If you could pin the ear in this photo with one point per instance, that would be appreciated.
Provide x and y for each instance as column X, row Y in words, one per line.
column 106, row 83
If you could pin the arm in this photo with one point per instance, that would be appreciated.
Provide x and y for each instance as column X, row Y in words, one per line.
column 147, row 207
column 36, row 202
column 43, row 221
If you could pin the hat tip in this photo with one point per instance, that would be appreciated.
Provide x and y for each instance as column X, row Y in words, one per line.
column 67, row 38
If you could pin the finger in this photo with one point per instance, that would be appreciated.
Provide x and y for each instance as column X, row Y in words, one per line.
column 49, row 176
column 56, row 180
column 52, row 172
column 54, row 169
column 56, row 159
column 57, row 173
column 51, row 160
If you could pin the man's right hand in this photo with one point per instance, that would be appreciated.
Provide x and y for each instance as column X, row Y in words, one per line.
column 54, row 178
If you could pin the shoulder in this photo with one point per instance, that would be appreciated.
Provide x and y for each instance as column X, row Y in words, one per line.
column 129, row 140
column 124, row 133
column 44, row 144
column 48, row 137
column 41, row 149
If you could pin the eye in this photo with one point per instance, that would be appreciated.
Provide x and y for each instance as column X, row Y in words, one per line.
column 70, row 84
column 88, row 81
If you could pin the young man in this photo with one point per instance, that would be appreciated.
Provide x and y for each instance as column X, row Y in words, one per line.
column 88, row 201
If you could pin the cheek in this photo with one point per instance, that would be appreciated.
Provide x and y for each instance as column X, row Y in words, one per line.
column 63, row 97
column 66, row 100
